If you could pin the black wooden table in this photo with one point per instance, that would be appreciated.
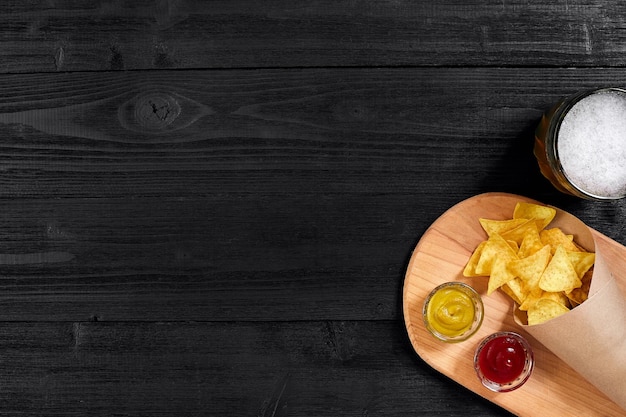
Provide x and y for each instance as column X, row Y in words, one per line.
column 208, row 207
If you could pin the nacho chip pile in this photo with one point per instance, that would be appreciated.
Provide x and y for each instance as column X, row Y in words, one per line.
column 542, row 269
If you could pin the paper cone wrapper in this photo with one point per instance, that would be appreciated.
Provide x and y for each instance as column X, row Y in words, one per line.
column 590, row 338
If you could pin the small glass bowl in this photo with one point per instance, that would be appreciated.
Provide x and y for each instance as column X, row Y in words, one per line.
column 498, row 366
column 457, row 318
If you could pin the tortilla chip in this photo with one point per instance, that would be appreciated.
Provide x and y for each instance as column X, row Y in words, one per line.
column 495, row 246
column 470, row 268
column 499, row 226
column 545, row 309
column 544, row 271
column 543, row 214
column 555, row 237
column 578, row 295
column 531, row 243
column 508, row 290
column 500, row 274
column 581, row 261
column 518, row 289
column 517, row 234
column 531, row 268
column 560, row 274
column 531, row 299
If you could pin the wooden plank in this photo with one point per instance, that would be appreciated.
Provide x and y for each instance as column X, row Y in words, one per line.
column 253, row 209
column 183, row 260
column 216, row 369
column 169, row 134
column 43, row 36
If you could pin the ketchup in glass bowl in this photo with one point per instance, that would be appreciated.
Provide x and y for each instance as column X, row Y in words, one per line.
column 503, row 361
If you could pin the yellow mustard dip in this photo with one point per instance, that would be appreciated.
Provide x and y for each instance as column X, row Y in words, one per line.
column 450, row 312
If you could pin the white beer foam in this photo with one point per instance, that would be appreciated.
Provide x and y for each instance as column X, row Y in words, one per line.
column 592, row 144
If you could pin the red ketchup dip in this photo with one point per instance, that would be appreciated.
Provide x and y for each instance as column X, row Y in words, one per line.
column 503, row 361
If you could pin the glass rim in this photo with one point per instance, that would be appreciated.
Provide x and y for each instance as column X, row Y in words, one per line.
column 553, row 135
column 521, row 379
column 479, row 312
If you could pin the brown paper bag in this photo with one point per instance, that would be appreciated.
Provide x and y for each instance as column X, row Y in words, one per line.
column 590, row 338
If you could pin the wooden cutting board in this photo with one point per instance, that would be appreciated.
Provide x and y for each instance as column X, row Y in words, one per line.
column 554, row 388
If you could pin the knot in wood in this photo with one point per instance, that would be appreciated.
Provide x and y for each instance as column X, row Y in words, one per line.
column 155, row 111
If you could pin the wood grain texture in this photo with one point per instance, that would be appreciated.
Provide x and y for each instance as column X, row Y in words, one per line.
column 263, row 195
column 226, row 232
column 324, row 368
column 63, row 35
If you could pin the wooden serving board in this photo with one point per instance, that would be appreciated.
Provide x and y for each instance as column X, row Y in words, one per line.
column 554, row 389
